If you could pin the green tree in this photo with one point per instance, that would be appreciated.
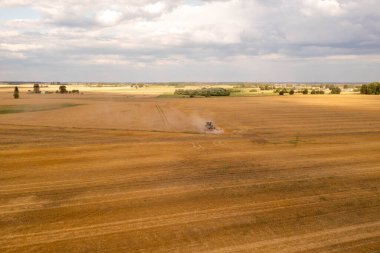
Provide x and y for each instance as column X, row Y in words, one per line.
column 336, row 90
column 370, row 89
column 62, row 89
column 16, row 93
column 291, row 92
column 305, row 91
column 364, row 89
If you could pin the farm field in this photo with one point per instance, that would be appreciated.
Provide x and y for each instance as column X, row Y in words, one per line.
column 116, row 172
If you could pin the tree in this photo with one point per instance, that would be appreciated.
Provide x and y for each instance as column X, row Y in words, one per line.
column 36, row 88
column 335, row 90
column 16, row 93
column 370, row 89
column 364, row 89
column 291, row 92
column 62, row 89
column 305, row 91
column 281, row 93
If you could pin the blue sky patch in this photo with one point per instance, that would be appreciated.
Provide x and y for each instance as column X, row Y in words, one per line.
column 22, row 12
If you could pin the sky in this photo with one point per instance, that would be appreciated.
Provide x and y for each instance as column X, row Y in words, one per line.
column 190, row 40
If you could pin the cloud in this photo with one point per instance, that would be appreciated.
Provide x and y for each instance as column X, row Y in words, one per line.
column 12, row 3
column 154, row 8
column 182, row 37
column 109, row 17
column 322, row 7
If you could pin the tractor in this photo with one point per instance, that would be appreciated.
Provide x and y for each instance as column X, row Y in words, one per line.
column 209, row 126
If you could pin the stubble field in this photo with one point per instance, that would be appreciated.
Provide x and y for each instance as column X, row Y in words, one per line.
column 116, row 173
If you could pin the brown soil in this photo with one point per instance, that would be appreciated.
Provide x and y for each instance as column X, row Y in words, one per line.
column 129, row 174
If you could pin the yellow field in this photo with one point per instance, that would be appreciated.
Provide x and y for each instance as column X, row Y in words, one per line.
column 112, row 172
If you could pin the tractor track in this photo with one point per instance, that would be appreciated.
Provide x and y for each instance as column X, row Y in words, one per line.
column 163, row 116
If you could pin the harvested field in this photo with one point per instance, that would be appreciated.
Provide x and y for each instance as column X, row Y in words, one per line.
column 116, row 173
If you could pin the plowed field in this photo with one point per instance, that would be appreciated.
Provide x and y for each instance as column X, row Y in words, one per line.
column 111, row 173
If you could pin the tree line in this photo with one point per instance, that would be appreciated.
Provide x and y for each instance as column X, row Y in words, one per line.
column 204, row 92
column 370, row 89
column 281, row 92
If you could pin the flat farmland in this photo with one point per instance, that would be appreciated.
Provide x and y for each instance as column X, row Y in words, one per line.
column 116, row 173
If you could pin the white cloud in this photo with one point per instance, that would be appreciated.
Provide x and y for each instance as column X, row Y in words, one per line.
column 19, row 47
column 324, row 7
column 154, row 8
column 107, row 60
column 12, row 3
column 109, row 17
